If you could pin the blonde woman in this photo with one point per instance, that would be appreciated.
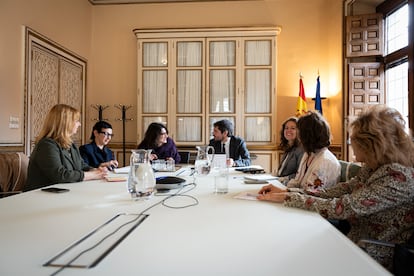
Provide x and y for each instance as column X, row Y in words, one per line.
column 55, row 158
column 378, row 202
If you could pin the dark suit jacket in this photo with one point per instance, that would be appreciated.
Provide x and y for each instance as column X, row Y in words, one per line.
column 50, row 164
column 238, row 150
column 94, row 156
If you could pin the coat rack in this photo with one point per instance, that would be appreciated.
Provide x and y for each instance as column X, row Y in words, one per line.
column 123, row 109
column 100, row 109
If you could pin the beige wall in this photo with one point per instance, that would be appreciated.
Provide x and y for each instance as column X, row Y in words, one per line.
column 67, row 22
column 311, row 40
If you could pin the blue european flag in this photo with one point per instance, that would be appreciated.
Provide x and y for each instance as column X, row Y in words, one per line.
column 318, row 100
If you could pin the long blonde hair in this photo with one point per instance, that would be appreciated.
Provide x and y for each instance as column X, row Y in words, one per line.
column 59, row 124
column 380, row 133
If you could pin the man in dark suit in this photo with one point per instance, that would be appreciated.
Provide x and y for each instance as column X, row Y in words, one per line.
column 224, row 142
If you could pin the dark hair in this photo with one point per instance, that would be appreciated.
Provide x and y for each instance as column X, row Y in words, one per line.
column 314, row 132
column 284, row 143
column 98, row 127
column 151, row 135
column 224, row 125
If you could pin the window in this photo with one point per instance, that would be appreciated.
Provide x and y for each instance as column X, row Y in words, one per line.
column 397, row 58
column 397, row 29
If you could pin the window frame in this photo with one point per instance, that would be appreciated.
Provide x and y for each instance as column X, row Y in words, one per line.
column 404, row 54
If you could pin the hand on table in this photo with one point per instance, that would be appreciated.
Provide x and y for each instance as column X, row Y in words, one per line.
column 98, row 173
column 272, row 193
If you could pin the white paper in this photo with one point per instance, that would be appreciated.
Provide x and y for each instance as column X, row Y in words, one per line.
column 260, row 177
column 247, row 196
column 121, row 170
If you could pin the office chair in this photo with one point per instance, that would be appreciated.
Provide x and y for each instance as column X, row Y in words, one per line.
column 185, row 157
column 13, row 172
column 403, row 259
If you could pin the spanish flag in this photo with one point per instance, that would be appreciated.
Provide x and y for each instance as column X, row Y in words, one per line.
column 301, row 107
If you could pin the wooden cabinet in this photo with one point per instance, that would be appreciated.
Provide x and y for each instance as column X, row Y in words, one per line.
column 190, row 78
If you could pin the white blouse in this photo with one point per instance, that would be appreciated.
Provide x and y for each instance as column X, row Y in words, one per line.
column 317, row 170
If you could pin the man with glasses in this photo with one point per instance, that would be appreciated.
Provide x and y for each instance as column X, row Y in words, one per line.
column 96, row 153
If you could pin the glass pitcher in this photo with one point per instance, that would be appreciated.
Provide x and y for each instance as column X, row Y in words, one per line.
column 141, row 180
column 205, row 156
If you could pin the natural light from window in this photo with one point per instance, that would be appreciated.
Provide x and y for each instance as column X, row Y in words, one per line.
column 397, row 29
column 397, row 89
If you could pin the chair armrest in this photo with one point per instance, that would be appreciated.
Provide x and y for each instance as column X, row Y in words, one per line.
column 364, row 242
column 4, row 194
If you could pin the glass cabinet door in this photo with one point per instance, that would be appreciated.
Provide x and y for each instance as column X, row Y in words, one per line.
column 222, row 76
column 154, row 77
column 189, row 87
column 258, row 87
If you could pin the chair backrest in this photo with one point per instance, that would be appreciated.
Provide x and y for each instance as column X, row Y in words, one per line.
column 185, row 157
column 348, row 170
column 13, row 172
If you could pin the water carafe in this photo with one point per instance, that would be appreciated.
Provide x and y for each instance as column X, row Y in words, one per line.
column 205, row 156
column 141, row 180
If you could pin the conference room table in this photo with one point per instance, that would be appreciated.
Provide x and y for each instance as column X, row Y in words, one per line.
column 97, row 229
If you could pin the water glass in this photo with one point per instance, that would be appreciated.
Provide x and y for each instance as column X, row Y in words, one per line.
column 221, row 181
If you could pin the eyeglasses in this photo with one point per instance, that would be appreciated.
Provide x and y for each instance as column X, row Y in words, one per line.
column 110, row 135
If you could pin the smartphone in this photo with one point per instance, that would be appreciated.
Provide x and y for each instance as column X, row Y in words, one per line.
column 55, row 190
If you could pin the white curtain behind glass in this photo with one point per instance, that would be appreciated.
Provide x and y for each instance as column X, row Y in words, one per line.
column 189, row 129
column 258, row 91
column 155, row 91
column 258, row 129
column 189, row 54
column 148, row 120
column 258, row 52
column 155, row 54
column 222, row 83
column 223, row 53
column 189, row 91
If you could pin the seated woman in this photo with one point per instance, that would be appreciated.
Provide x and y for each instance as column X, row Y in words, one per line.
column 163, row 147
column 378, row 202
column 55, row 158
column 292, row 150
column 318, row 167
column 96, row 154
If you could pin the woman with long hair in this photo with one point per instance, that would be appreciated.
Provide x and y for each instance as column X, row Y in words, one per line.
column 55, row 158
column 163, row 147
column 292, row 150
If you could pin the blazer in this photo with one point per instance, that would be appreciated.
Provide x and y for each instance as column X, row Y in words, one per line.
column 49, row 164
column 290, row 162
column 94, row 156
column 238, row 150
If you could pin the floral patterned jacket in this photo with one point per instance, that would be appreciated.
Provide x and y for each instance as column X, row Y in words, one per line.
column 378, row 205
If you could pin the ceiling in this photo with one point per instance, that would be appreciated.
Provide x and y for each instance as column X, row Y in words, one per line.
column 117, row 2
